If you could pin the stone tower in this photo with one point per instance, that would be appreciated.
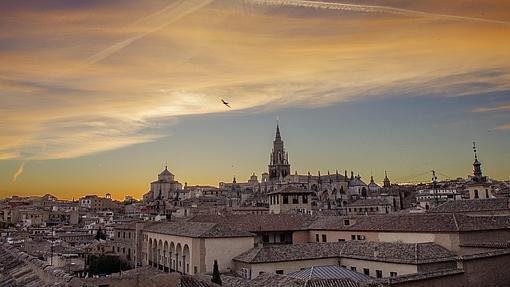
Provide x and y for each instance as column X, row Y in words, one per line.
column 279, row 166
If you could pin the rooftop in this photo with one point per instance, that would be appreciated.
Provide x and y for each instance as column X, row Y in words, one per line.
column 328, row 272
column 405, row 253
column 427, row 223
column 197, row 229
column 261, row 222
column 370, row 202
column 473, row 205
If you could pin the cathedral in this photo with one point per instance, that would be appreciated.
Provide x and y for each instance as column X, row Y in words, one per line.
column 331, row 189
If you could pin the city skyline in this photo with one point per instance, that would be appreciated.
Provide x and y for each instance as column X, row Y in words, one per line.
column 95, row 97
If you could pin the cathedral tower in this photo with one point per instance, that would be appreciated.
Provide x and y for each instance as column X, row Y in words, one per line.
column 279, row 166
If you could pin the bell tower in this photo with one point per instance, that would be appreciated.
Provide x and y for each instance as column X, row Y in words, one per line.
column 279, row 166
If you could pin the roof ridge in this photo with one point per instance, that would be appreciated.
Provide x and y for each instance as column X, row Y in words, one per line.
column 416, row 252
column 456, row 223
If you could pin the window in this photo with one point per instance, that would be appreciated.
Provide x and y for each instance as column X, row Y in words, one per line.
column 279, row 271
column 265, row 238
column 347, row 222
column 305, row 198
column 378, row 273
column 393, row 274
column 118, row 234
column 282, row 237
column 295, row 199
column 124, row 234
column 486, row 193
column 353, row 268
column 324, row 238
column 476, row 193
column 353, row 237
column 317, row 237
column 195, row 270
column 366, row 271
column 361, row 237
column 285, row 199
column 340, row 239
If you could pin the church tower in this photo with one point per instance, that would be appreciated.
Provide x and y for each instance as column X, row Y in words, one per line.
column 477, row 168
column 279, row 166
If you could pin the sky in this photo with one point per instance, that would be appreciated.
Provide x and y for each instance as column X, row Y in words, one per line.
column 96, row 96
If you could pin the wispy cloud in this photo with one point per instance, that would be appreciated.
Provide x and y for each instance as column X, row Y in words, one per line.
column 499, row 108
column 372, row 9
column 18, row 172
column 156, row 21
column 503, row 127
column 181, row 59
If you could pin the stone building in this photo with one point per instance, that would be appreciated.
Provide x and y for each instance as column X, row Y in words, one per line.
column 375, row 259
column 290, row 199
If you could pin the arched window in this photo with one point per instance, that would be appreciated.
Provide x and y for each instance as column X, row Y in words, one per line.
column 476, row 193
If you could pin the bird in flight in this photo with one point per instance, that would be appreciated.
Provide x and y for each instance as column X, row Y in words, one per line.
column 225, row 103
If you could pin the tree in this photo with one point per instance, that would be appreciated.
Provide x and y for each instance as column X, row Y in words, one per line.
column 105, row 264
column 216, row 273
column 100, row 235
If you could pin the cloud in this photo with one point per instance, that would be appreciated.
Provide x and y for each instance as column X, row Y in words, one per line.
column 371, row 9
column 18, row 172
column 148, row 74
column 503, row 127
column 167, row 16
column 499, row 108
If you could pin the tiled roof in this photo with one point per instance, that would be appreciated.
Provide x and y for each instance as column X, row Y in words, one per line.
column 473, row 205
column 429, row 223
column 369, row 202
column 486, row 244
column 330, row 223
column 268, row 279
column 18, row 269
column 406, row 253
column 197, row 229
column 261, row 222
column 328, row 272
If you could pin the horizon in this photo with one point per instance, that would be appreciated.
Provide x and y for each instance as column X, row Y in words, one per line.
column 96, row 96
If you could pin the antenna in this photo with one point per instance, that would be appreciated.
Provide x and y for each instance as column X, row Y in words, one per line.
column 434, row 183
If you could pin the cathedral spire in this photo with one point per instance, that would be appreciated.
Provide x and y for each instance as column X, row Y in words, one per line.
column 278, row 136
column 279, row 166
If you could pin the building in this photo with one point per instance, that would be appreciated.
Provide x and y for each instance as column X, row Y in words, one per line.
column 450, row 230
column 490, row 206
column 478, row 186
column 279, row 166
column 192, row 247
column 290, row 199
column 369, row 206
column 375, row 259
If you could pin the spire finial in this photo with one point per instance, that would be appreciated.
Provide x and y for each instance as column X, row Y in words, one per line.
column 277, row 130
column 166, row 165
column 474, row 150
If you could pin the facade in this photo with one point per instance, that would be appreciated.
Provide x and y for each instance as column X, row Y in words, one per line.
column 370, row 206
column 290, row 199
column 192, row 247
